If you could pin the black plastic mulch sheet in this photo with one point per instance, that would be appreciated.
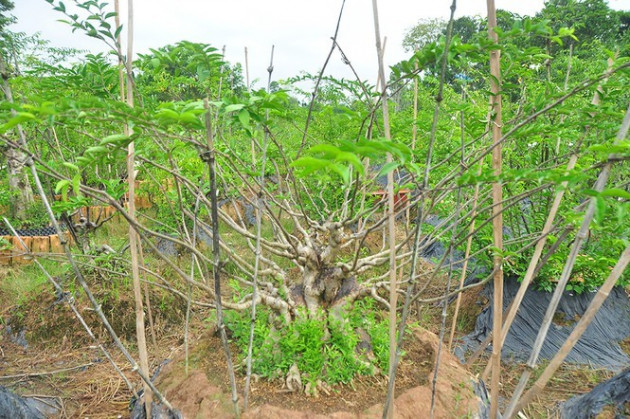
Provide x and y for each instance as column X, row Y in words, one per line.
column 614, row 395
column 598, row 346
column 13, row 406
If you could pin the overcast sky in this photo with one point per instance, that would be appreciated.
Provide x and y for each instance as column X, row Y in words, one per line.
column 299, row 29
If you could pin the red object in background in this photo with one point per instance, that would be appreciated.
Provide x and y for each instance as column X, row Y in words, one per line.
column 400, row 198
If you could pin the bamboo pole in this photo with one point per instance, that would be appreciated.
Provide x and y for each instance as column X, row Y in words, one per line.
column 253, row 142
column 143, row 354
column 389, row 400
column 380, row 84
column 414, row 128
column 209, row 157
column 497, row 212
column 391, row 227
column 414, row 132
column 247, row 70
column 533, row 263
column 259, row 213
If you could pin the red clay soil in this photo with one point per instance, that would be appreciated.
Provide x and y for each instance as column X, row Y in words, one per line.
column 205, row 393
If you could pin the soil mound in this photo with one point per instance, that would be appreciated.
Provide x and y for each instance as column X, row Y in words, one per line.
column 204, row 391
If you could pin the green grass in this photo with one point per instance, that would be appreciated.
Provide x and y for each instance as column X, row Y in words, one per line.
column 20, row 284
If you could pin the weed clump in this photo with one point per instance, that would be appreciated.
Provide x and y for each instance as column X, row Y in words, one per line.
column 332, row 351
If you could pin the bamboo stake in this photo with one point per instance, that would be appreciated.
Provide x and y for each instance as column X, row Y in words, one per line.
column 438, row 101
column 131, row 210
column 391, row 227
column 533, row 263
column 497, row 213
column 581, row 236
column 414, row 128
column 259, row 212
column 389, row 400
column 319, row 80
column 209, row 157
column 147, row 301
column 471, row 228
column 380, row 84
column 253, row 142
column 121, row 77
column 577, row 332
column 247, row 70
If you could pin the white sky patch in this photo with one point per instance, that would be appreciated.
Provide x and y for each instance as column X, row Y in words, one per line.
column 299, row 29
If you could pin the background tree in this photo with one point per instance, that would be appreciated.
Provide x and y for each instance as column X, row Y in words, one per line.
column 425, row 32
column 595, row 24
column 20, row 196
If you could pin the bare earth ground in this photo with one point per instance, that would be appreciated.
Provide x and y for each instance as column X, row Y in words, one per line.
column 61, row 366
column 85, row 385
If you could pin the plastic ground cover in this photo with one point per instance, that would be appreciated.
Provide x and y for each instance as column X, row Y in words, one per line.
column 598, row 346
column 612, row 395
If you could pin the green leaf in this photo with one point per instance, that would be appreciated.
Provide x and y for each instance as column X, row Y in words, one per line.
column 616, row 192
column 234, row 107
column 202, row 73
column 84, row 161
column 600, row 209
column 62, row 186
column 190, row 118
column 329, row 151
column 98, row 149
column 167, row 115
column 387, row 168
column 310, row 163
column 243, row 117
column 342, row 171
column 76, row 183
column 352, row 159
column 18, row 119
column 71, row 166
column 114, row 139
